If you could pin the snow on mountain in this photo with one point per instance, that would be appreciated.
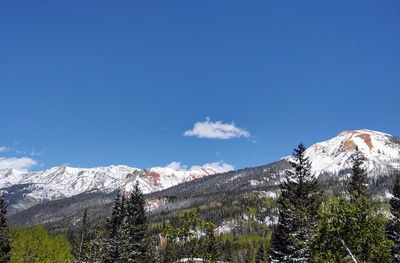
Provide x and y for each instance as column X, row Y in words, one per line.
column 382, row 153
column 61, row 182
column 10, row 177
column 159, row 178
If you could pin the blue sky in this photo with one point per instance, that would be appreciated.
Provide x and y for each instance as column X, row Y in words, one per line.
column 90, row 83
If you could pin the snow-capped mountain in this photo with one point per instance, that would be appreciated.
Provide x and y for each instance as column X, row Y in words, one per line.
column 60, row 182
column 26, row 189
column 381, row 150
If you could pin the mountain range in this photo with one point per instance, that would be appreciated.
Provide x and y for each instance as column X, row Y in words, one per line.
column 30, row 188
column 46, row 196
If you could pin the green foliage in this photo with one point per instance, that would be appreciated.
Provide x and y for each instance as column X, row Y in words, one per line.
column 128, row 238
column 351, row 228
column 81, row 240
column 34, row 245
column 186, row 236
column 96, row 246
column 298, row 205
column 5, row 245
column 261, row 255
column 358, row 185
column 114, row 223
column 247, row 248
column 134, row 229
column 393, row 227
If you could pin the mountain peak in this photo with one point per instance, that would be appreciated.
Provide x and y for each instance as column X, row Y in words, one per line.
column 334, row 154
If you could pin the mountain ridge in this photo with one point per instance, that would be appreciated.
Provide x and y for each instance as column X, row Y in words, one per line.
column 332, row 157
column 65, row 181
column 225, row 188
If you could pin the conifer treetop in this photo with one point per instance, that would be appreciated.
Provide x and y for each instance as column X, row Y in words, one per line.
column 358, row 185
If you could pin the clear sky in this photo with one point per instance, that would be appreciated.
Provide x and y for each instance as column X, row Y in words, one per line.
column 90, row 83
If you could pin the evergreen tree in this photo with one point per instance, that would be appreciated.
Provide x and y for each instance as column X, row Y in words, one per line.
column 134, row 231
column 298, row 205
column 281, row 244
column 114, row 239
column 96, row 249
column 212, row 247
column 81, row 244
column 393, row 227
column 5, row 245
column 358, row 185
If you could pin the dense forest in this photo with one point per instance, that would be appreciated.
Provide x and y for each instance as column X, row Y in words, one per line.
column 306, row 223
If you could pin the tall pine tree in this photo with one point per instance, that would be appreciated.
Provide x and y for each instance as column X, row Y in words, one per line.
column 358, row 185
column 96, row 248
column 114, row 224
column 136, row 245
column 298, row 204
column 82, row 239
column 393, row 227
column 5, row 244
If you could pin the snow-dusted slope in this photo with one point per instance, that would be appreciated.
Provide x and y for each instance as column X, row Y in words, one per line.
column 60, row 182
column 334, row 155
column 9, row 177
column 382, row 152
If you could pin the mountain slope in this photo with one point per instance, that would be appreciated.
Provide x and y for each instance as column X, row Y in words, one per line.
column 381, row 150
column 28, row 188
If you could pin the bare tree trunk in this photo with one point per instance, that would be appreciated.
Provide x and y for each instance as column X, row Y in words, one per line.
column 348, row 251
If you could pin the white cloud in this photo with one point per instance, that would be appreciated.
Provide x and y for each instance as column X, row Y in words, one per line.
column 177, row 166
column 3, row 149
column 219, row 166
column 23, row 163
column 216, row 130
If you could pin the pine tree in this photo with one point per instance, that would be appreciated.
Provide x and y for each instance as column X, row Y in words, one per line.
column 82, row 239
column 281, row 244
column 393, row 227
column 134, row 231
column 358, row 185
column 298, row 205
column 96, row 249
column 5, row 244
column 212, row 247
column 114, row 224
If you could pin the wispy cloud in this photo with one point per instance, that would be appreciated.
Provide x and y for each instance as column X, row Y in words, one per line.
column 219, row 166
column 216, row 130
column 23, row 163
column 3, row 149
column 21, row 160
